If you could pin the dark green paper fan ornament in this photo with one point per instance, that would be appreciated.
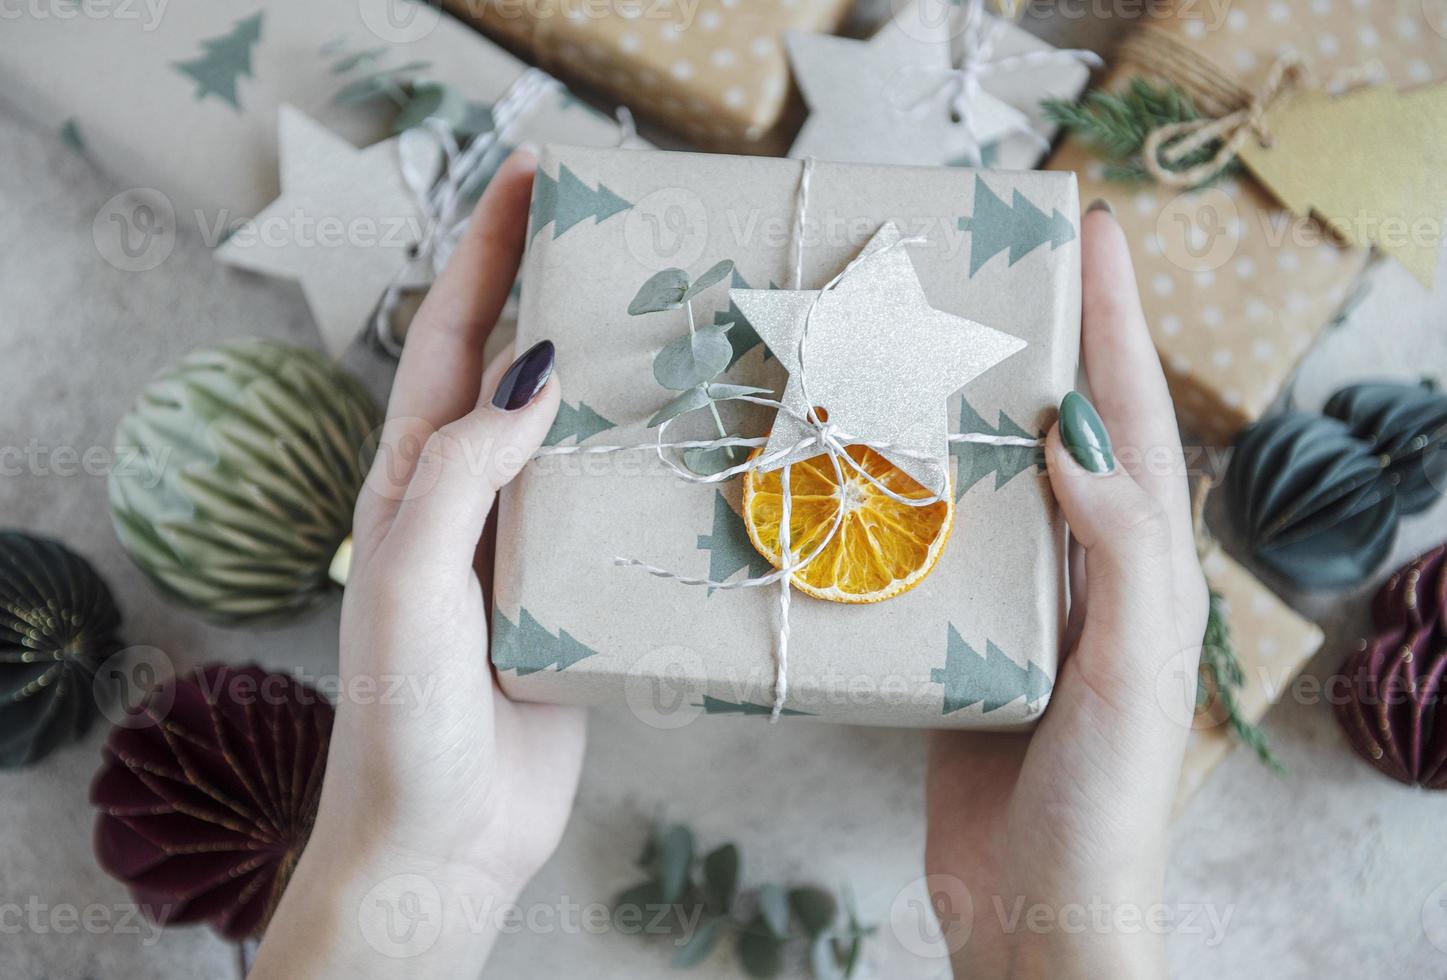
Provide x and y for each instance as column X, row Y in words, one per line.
column 237, row 473
column 1406, row 426
column 1310, row 500
column 1318, row 497
column 58, row 624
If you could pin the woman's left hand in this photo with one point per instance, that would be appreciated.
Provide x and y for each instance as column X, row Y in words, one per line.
column 442, row 797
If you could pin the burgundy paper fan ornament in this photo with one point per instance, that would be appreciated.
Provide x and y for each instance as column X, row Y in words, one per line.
column 208, row 795
column 1395, row 682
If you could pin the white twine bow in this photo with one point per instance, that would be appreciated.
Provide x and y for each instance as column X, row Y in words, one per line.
column 443, row 188
column 959, row 86
column 824, row 437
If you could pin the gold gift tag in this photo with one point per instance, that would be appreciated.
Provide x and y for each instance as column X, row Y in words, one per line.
column 1371, row 163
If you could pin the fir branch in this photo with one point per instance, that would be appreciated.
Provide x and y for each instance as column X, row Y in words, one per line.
column 1221, row 675
column 1115, row 126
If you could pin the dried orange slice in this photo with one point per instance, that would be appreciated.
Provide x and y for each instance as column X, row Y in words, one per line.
column 883, row 548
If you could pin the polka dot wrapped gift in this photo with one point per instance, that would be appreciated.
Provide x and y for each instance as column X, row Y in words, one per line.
column 715, row 70
column 1235, row 288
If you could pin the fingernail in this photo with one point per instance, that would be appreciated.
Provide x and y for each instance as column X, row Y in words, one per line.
column 1100, row 204
column 1084, row 434
column 525, row 378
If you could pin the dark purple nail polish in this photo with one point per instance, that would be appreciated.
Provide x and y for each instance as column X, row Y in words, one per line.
column 526, row 377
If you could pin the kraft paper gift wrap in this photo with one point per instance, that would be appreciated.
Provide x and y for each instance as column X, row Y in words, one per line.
column 1234, row 288
column 714, row 70
column 975, row 643
column 183, row 97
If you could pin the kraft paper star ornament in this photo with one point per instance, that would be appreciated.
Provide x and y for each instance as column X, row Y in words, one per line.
column 886, row 100
column 343, row 227
column 879, row 358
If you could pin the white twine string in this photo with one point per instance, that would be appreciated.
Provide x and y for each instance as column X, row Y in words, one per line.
column 824, row 437
column 443, row 201
column 960, row 86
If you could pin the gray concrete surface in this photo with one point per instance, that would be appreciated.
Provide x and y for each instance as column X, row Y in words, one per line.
column 1330, row 870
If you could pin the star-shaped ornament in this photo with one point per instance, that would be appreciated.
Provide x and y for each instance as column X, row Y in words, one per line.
column 344, row 227
column 888, row 100
column 879, row 359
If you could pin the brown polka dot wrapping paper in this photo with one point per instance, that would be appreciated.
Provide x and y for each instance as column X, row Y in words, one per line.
column 713, row 70
column 1235, row 288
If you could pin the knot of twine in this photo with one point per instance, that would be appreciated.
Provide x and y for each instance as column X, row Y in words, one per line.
column 824, row 436
column 959, row 86
column 1166, row 146
column 444, row 194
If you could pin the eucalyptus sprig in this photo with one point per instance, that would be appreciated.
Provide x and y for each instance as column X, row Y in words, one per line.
column 404, row 86
column 1116, row 124
column 690, row 364
column 698, row 903
column 1221, row 675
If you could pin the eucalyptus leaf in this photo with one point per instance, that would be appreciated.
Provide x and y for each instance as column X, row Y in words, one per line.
column 721, row 876
column 707, row 462
column 663, row 291
column 761, row 954
column 709, row 278
column 693, row 360
column 815, row 909
column 774, row 910
column 638, row 904
column 823, row 960
column 430, row 100
column 675, row 856
column 357, row 59
column 851, row 958
column 705, row 937
column 690, row 401
column 389, row 81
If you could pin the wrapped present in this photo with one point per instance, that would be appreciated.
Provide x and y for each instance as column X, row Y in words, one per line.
column 189, row 111
column 1235, row 287
column 689, row 285
column 714, row 70
column 1272, row 643
column 942, row 83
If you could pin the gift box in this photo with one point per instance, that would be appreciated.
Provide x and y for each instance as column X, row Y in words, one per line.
column 186, row 104
column 714, row 70
column 975, row 643
column 1234, row 288
column 1273, row 644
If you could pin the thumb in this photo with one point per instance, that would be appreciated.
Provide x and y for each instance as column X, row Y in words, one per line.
column 1122, row 528
column 466, row 462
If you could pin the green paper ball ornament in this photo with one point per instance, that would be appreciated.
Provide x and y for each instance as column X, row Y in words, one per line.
column 1406, row 426
column 58, row 624
column 1310, row 500
column 237, row 473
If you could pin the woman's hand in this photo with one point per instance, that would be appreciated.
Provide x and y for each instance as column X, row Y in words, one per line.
column 442, row 797
column 1076, row 815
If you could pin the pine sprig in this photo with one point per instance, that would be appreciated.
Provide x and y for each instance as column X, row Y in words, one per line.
column 696, row 901
column 1115, row 125
column 1221, row 675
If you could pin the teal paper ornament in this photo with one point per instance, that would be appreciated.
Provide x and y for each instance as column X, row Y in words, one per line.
column 1406, row 426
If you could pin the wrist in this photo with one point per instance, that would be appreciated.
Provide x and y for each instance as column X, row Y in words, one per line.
column 376, row 912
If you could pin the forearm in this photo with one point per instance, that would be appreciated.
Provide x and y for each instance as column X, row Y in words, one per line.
column 363, row 917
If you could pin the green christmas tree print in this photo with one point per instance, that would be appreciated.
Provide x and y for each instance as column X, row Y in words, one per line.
column 974, row 461
column 995, row 679
column 576, row 423
column 529, row 648
column 227, row 58
column 728, row 545
column 717, row 706
column 567, row 201
column 742, row 336
column 1019, row 226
